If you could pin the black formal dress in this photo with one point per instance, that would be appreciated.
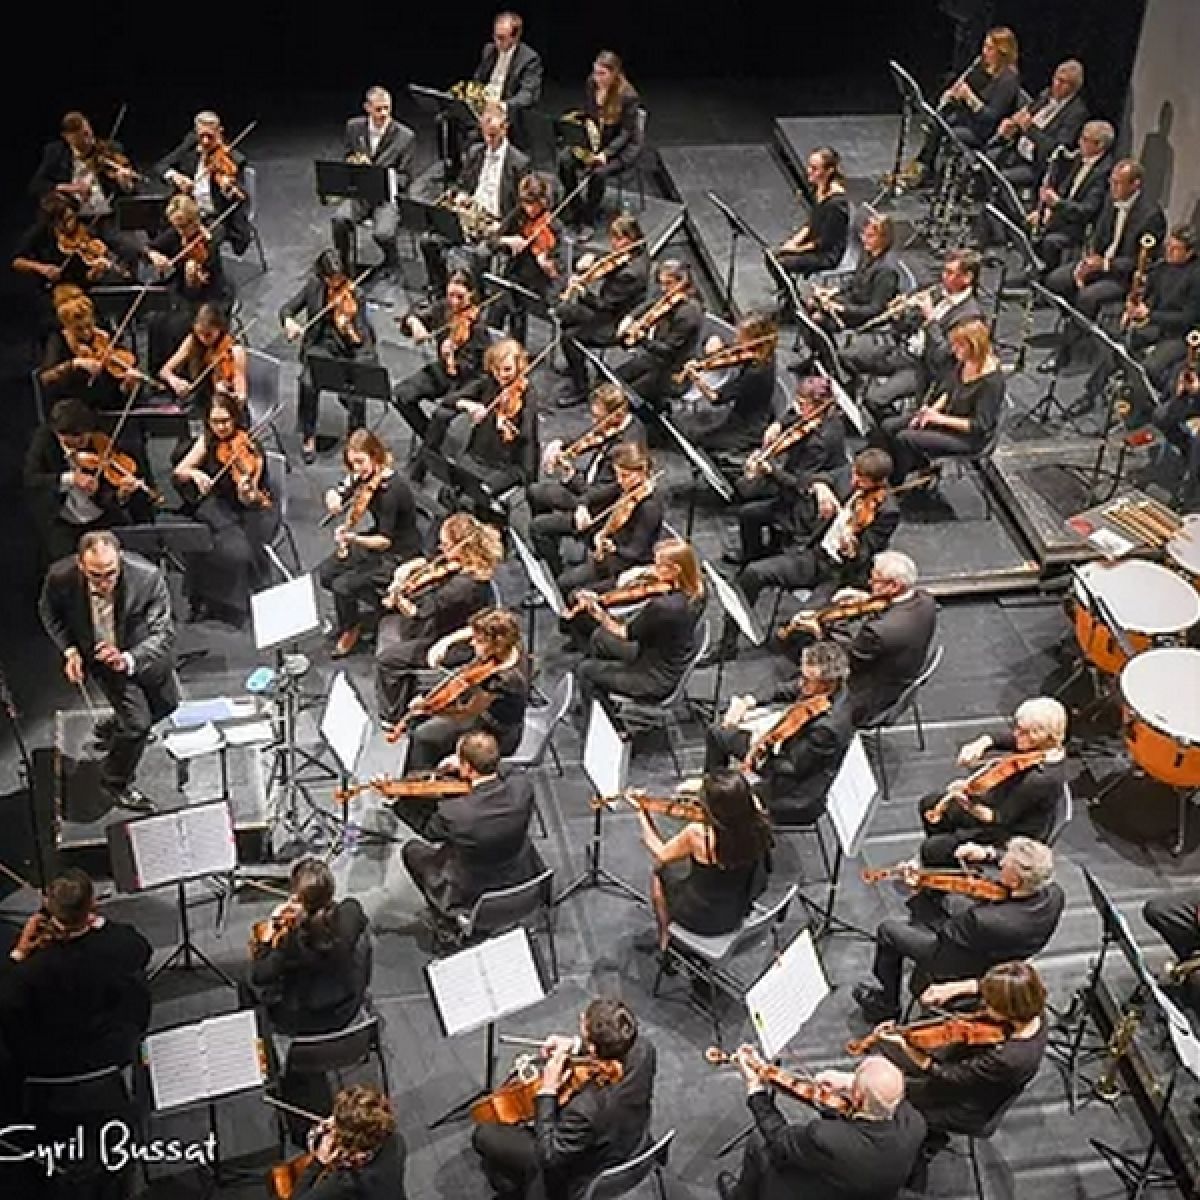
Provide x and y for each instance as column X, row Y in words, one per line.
column 828, row 228
column 734, row 422
column 620, row 142
column 633, row 543
column 569, row 1145
column 141, row 627
column 381, row 1179
column 711, row 899
column 886, row 654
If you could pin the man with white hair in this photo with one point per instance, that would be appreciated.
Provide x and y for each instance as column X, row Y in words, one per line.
column 1023, row 143
column 1072, row 194
column 1018, row 793
column 962, row 938
column 870, row 1154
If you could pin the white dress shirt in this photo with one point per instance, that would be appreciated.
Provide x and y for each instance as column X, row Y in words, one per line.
column 495, row 84
column 487, row 190
column 95, row 203
column 1122, row 207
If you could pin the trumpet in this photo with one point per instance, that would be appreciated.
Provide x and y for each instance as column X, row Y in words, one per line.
column 899, row 306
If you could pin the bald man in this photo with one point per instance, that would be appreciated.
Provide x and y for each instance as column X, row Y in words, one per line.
column 869, row 1155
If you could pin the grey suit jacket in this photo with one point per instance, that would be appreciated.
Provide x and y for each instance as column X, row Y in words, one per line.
column 395, row 149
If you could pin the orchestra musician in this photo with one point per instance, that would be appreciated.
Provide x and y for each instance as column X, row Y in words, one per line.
column 661, row 334
column 459, row 338
column 974, row 828
column 821, row 242
column 356, row 1152
column 773, row 491
column 74, row 997
column 1177, row 417
column 889, row 648
column 869, row 1153
column 975, row 935
column 601, row 1125
column 792, row 778
column 645, row 655
column 78, row 164
column 870, row 287
column 335, row 325
column 610, row 117
column 622, row 532
column 511, row 72
column 376, row 531
column 601, row 292
column 735, row 409
column 1104, row 271
column 376, row 140
column 473, row 843
column 917, row 353
column 417, row 615
column 491, row 171
column 109, row 615
column 961, row 419
column 196, row 168
column 706, row 877
column 496, row 705
column 66, row 500
column 225, row 480
column 532, row 237
column 850, row 531
column 208, row 364
column 1175, row 917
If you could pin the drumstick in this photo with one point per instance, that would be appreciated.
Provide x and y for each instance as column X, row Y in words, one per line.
column 87, row 698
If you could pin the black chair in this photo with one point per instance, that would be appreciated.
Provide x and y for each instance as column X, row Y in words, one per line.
column 984, row 1134
column 507, row 908
column 277, row 468
column 637, row 165
column 336, row 1053
column 250, row 186
column 537, row 737
column 624, row 1177
column 1063, row 813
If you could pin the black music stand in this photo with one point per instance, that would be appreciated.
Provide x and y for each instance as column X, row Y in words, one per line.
column 1016, row 237
column 444, row 108
column 738, row 229
column 141, row 213
column 346, row 377
column 352, row 181
column 911, row 102
column 465, row 482
column 428, row 217
column 1050, row 407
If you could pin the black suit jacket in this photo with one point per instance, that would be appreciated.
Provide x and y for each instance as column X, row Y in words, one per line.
column 58, row 166
column 523, row 83
column 869, row 290
column 1063, row 129
column 833, row 1158
column 1074, row 215
column 395, row 149
column 672, row 341
column 799, row 776
column 45, row 465
column 309, row 300
column 185, row 159
column 1144, row 217
column 516, row 165
column 937, row 357
column 599, row 1128
column 1173, row 297
column 887, row 653
column 142, row 614
column 620, row 292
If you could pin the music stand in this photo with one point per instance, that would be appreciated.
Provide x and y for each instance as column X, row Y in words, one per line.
column 738, row 228
column 743, row 616
column 141, row 213
column 457, row 477
column 1016, row 237
column 543, row 581
column 364, row 182
column 444, row 108
column 911, row 101
column 429, row 217
column 1050, row 407
column 825, row 353
column 346, row 377
column 606, row 755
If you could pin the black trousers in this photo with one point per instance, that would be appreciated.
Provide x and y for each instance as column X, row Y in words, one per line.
column 870, row 354
column 510, row 1161
column 895, row 941
column 581, row 323
column 914, row 449
column 611, row 667
column 398, row 656
column 384, row 222
column 224, row 577
column 585, row 208
column 1176, row 919
column 308, row 396
column 440, row 258
column 956, row 828
column 431, row 382
column 549, row 529
column 807, row 262
column 357, row 583
column 650, row 377
column 136, row 705
column 1089, row 299
column 433, row 739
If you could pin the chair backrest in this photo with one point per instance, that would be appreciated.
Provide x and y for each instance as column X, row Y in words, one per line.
column 39, row 399
column 1064, row 810
column 713, row 323
column 277, row 472
column 761, row 918
column 541, row 722
column 505, row 908
column 262, row 385
column 318, row 1053
column 643, row 120
column 93, row 1093
column 905, row 699
column 250, row 187
column 678, row 691
column 624, row 1177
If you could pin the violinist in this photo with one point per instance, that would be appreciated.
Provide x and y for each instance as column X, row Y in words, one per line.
column 869, row 288
column 91, row 172
column 328, row 316
column 73, row 991
column 376, row 140
column 418, row 614
column 65, row 499
column 496, row 705
column 661, row 334
column 820, row 244
column 610, row 117
column 1024, row 800
column 956, row 938
column 962, row 1088
column 792, row 778
column 707, row 876
column 599, row 1126
column 470, row 844
column 208, row 364
column 376, row 531
column 597, row 297
column 644, row 655
column 453, row 327
column 356, row 1154
column 734, row 409
column 229, row 489
column 204, row 168
column 847, row 534
column 622, row 531
column 868, row 1155
column 533, row 240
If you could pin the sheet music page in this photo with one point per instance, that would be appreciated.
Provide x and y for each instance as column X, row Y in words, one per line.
column 192, row 743
column 850, row 797
column 252, row 733
column 230, row 1049
column 510, row 974
column 462, row 994
column 157, row 847
column 787, row 995
column 174, row 1059
column 207, row 835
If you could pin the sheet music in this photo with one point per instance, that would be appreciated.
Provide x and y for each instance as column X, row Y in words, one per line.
column 208, row 840
column 157, row 851
column 851, row 795
column 345, row 723
column 201, row 1061
column 461, row 992
column 786, row 995
column 251, row 733
column 734, row 605
column 284, row 612
column 193, row 743
column 1183, row 1039
column 486, row 982
column 510, row 973
column 173, row 1060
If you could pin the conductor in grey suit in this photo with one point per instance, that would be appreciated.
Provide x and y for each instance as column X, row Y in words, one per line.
column 109, row 613
column 379, row 141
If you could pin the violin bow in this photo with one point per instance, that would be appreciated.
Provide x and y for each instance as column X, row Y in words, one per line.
column 437, row 333
column 205, row 234
column 603, row 515
column 355, row 283
column 212, row 366
column 118, row 121
column 544, row 220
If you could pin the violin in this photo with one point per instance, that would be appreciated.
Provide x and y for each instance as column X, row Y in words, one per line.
column 864, row 508
column 961, row 1029
column 633, row 593
column 619, row 514
column 726, row 357
column 459, row 328
column 222, row 167
column 284, row 1178
column 514, row 1101
column 541, row 241
column 960, row 883
column 790, row 723
column 120, row 363
column 602, row 267
column 823, row 1095
column 783, row 441
column 194, row 255
column 679, row 810
column 91, row 251
column 342, row 306
column 990, row 775
column 603, row 432
column 641, row 326
column 244, row 461
column 507, row 406
column 431, row 786
column 101, row 459
column 833, row 614
column 273, row 931
column 364, row 493
column 446, row 696
column 422, row 578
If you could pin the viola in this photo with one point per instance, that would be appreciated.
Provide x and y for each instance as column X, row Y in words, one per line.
column 342, row 305
column 833, row 614
column 783, row 441
column 633, row 593
column 101, row 459
column 641, row 326
column 244, row 461
column 364, row 493
column 221, row 166
column 507, row 406
column 619, row 514
column 667, row 806
column 514, row 1101
column 962, row 1029
column 823, row 1095
column 118, row 362
column 864, row 508
column 459, row 328
column 990, row 775
column 195, row 257
column 448, row 695
column 603, row 432
column 283, row 1178
column 91, row 251
column 273, row 931
column 960, row 883
column 734, row 355
column 790, row 723
column 431, row 786
column 422, row 578
column 541, row 241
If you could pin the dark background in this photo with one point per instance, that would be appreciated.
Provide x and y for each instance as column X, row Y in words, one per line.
column 295, row 62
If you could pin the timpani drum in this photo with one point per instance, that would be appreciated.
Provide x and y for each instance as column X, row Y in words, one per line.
column 1184, row 549
column 1161, row 691
column 1148, row 602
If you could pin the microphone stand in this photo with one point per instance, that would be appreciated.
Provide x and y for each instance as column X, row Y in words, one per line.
column 25, row 772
